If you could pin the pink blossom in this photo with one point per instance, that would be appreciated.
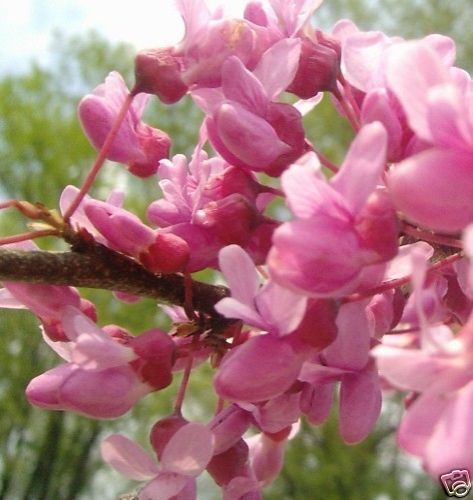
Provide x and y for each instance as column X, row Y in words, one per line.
column 340, row 227
column 346, row 360
column 137, row 145
column 271, row 308
column 228, row 426
column 261, row 368
column 319, row 66
column 103, row 377
column 437, row 101
column 244, row 123
column 185, row 456
column 440, row 372
column 267, row 453
column 123, row 231
column 210, row 204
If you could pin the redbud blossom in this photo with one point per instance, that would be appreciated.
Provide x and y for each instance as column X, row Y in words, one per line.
column 136, row 144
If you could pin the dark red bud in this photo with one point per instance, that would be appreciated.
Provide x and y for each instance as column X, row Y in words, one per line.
column 158, row 72
column 319, row 65
column 163, row 430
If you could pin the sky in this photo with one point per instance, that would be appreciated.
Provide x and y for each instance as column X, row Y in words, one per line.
column 26, row 25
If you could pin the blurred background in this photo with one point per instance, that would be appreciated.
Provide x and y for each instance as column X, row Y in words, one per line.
column 51, row 54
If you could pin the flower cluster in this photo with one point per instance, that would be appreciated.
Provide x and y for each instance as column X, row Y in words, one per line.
column 367, row 287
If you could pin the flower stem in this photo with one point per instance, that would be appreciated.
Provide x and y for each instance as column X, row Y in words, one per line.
column 185, row 378
column 101, row 157
column 384, row 287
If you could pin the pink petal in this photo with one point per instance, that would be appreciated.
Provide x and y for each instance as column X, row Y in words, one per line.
column 128, row 458
column 108, row 393
column 8, row 301
column 449, row 118
column 317, row 197
column 262, row 368
column 364, row 163
column 166, row 486
column 350, row 349
column 195, row 15
column 247, row 136
column 419, row 422
column 362, row 57
column 228, row 426
column 189, row 450
column 232, row 308
column 318, row 257
column 445, row 177
column 448, row 448
column 280, row 307
column 316, row 402
column 93, row 349
column 242, row 487
column 241, row 86
column 413, row 69
column 240, row 274
column 443, row 45
column 401, row 265
column 360, row 405
column 278, row 413
column 277, row 66
column 408, row 369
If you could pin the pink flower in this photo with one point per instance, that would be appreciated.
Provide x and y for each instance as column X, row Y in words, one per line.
column 183, row 458
column 340, row 227
column 436, row 425
column 437, row 100
column 347, row 360
column 123, row 231
column 210, row 204
column 260, row 369
column 105, row 374
column 244, row 123
column 137, row 145
column 271, row 308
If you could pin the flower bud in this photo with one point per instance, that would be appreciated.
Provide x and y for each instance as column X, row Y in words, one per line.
column 163, row 430
column 319, row 64
column 158, row 72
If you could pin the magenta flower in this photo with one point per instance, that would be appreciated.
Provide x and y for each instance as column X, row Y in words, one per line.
column 340, row 227
column 137, row 145
column 184, row 456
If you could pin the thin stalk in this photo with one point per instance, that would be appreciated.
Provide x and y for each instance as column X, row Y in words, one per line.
column 101, row 157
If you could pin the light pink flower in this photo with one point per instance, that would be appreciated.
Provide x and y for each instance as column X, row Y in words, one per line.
column 436, row 425
column 340, row 227
column 270, row 308
column 105, row 374
column 346, row 360
column 244, row 123
column 210, row 204
column 137, row 145
column 184, row 457
column 438, row 102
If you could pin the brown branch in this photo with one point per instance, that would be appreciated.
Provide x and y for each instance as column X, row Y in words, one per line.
column 95, row 266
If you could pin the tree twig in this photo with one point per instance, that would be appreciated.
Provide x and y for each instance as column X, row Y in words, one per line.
column 96, row 266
